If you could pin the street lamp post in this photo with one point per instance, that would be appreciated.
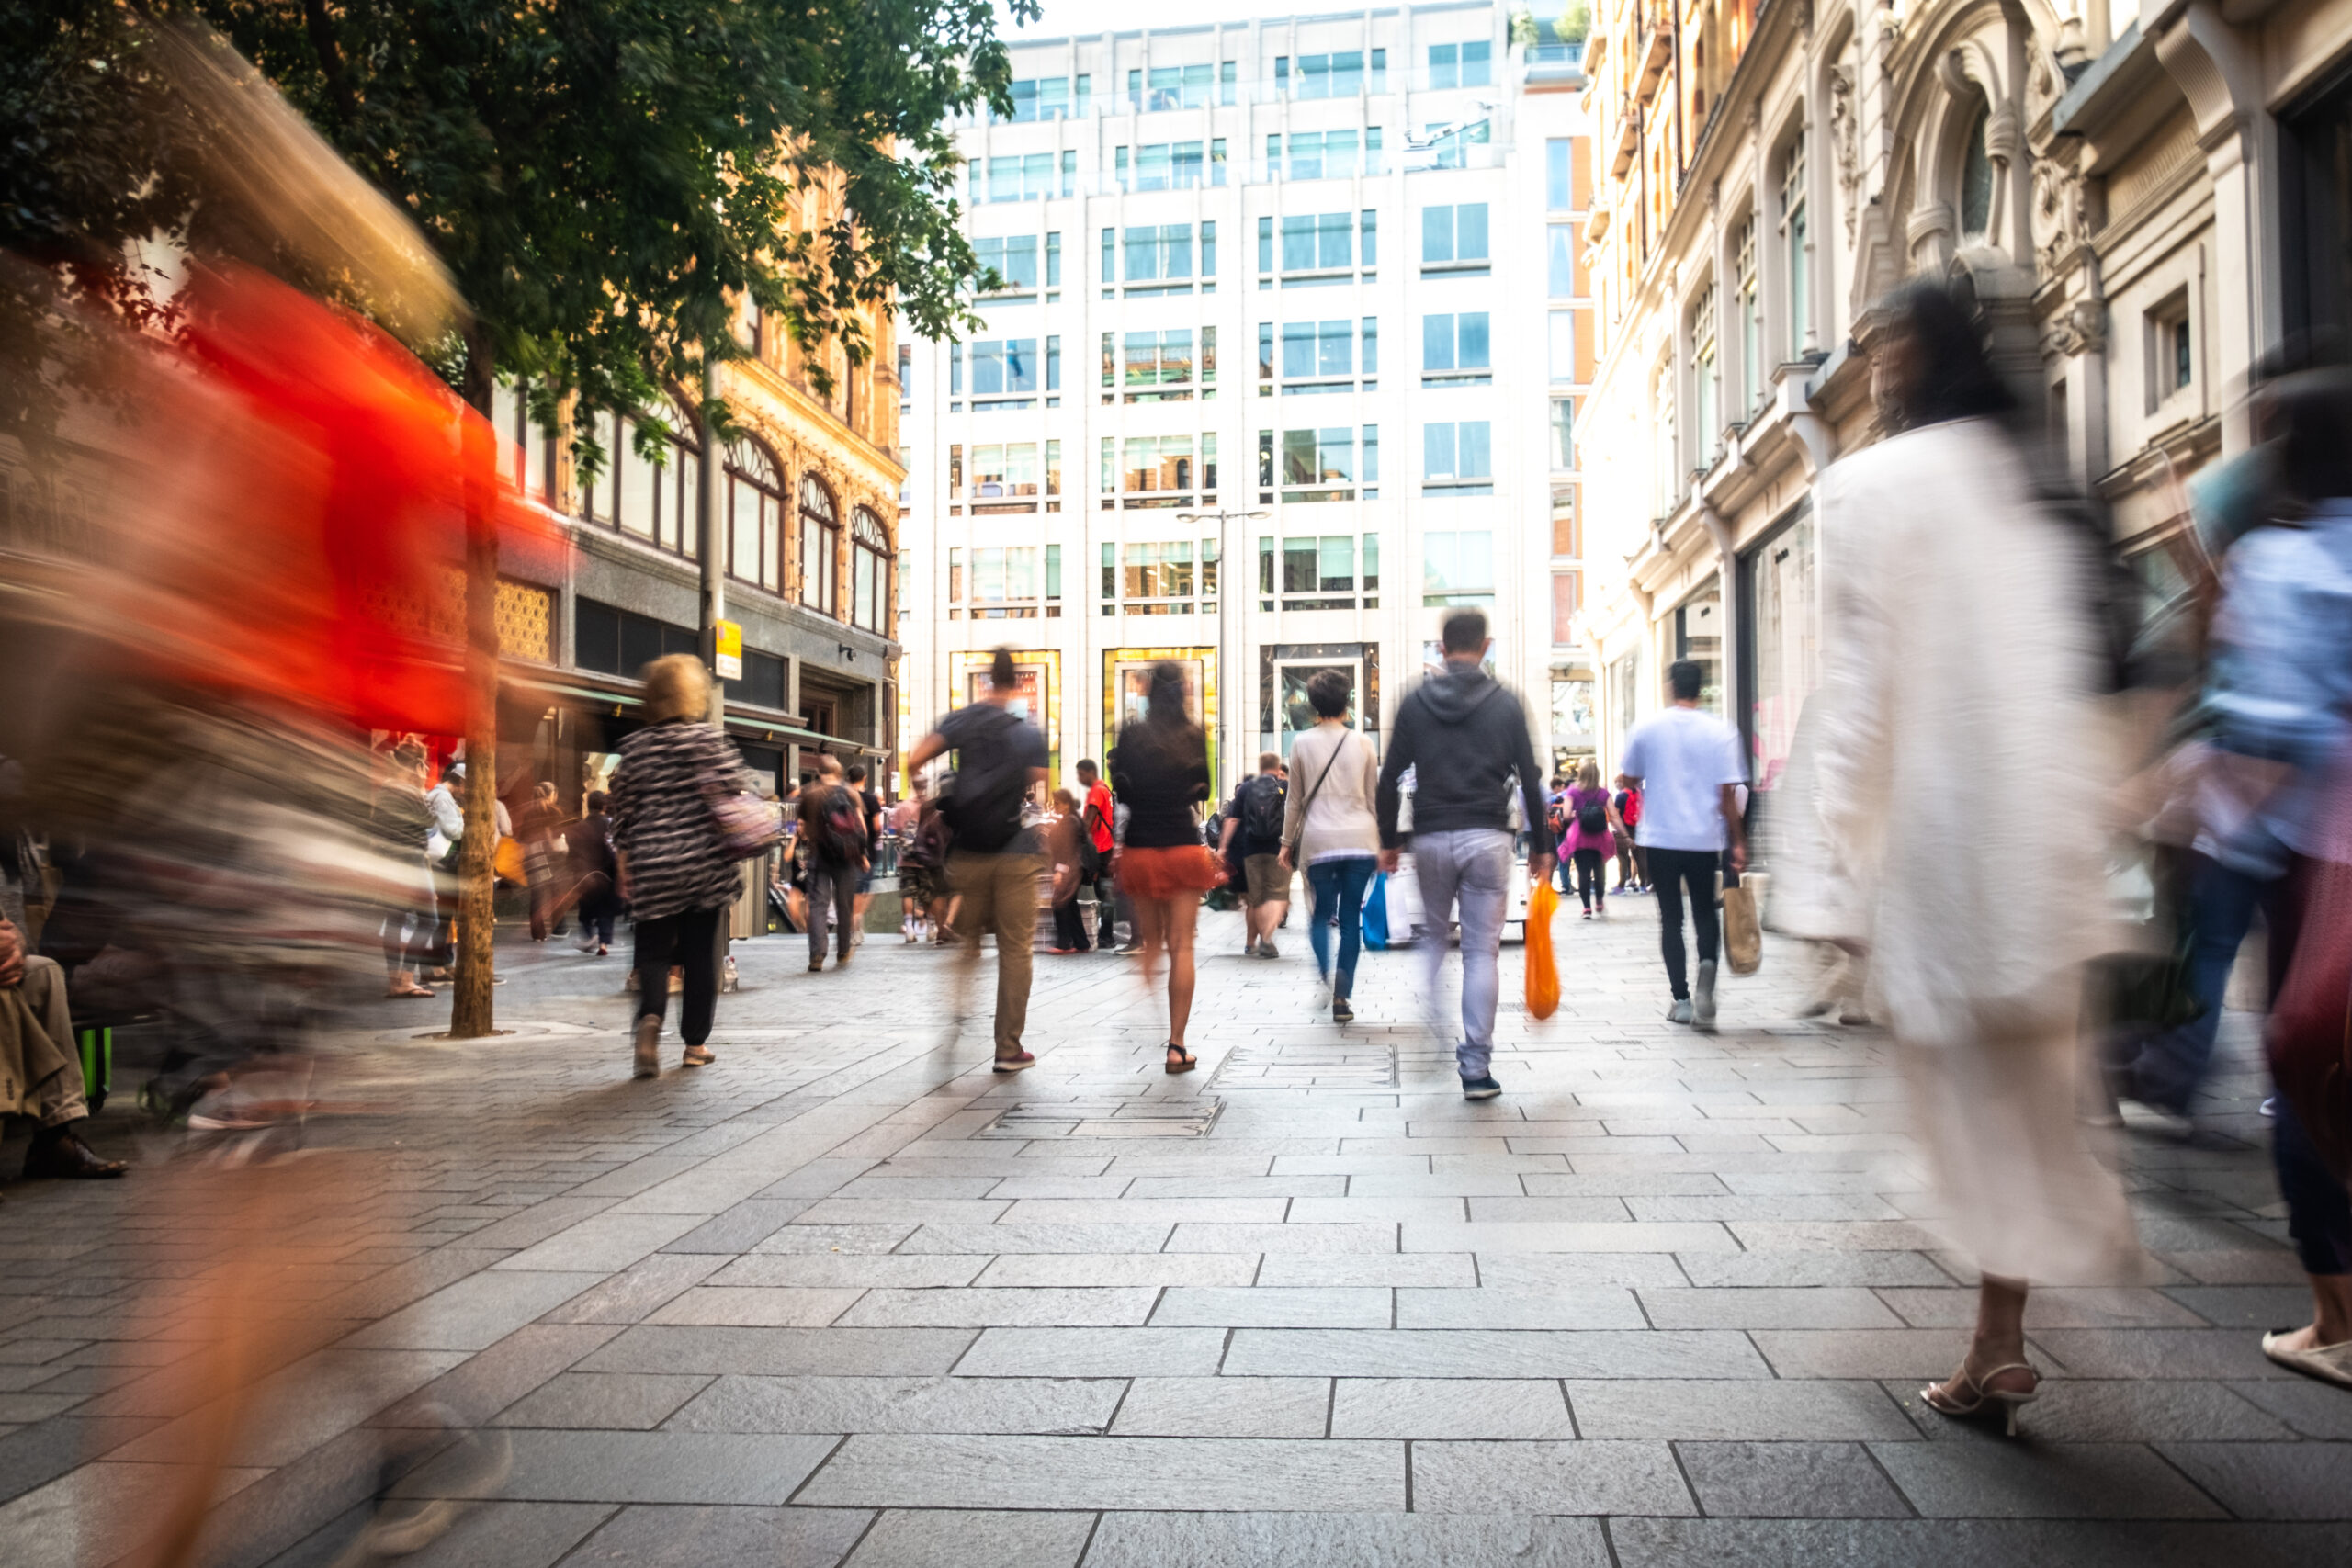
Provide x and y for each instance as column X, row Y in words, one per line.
column 1225, row 595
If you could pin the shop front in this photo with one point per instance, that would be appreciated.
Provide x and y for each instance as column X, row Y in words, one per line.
column 1127, row 688
column 1284, row 670
column 1780, row 641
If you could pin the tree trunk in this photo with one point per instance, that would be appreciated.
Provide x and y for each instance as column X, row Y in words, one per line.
column 471, row 1011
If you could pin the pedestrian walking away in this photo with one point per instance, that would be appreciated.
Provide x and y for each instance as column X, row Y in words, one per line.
column 1687, row 765
column 856, row 779
column 1633, row 860
column 833, row 828
column 1161, row 769
column 1589, row 837
column 676, row 869
column 596, row 873
column 1960, row 647
column 994, row 860
column 540, row 828
column 1253, row 835
column 403, row 826
column 1333, row 827
column 1467, row 739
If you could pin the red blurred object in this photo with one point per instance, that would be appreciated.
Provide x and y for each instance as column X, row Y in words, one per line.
column 314, row 551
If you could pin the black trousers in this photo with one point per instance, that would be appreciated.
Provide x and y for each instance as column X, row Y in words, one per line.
column 1670, row 872
column 1588, row 882
column 690, row 940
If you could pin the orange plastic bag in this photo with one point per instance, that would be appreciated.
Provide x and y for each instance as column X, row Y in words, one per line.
column 1543, row 975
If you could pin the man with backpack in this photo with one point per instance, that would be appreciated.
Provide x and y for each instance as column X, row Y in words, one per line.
column 1095, row 822
column 994, row 861
column 833, row 827
column 1255, row 817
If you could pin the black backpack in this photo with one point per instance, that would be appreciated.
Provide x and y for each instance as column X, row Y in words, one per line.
column 983, row 800
column 1592, row 817
column 836, row 826
column 1261, row 807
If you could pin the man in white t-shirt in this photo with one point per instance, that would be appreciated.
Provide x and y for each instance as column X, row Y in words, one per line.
column 1688, row 768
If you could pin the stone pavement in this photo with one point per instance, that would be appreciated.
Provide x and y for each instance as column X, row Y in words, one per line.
column 845, row 1297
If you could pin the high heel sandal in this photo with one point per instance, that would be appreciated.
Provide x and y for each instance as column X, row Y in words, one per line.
column 1181, row 1060
column 1943, row 1398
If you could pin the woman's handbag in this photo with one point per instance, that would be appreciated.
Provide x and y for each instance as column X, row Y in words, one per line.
column 747, row 825
column 2310, row 1035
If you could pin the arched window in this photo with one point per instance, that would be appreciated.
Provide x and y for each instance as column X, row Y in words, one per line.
column 820, row 531
column 870, row 576
column 754, row 516
column 654, row 500
column 1977, row 180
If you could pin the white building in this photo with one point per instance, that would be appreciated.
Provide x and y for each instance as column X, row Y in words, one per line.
column 1287, row 360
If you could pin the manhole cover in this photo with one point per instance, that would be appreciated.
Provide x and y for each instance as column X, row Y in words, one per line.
column 1342, row 1064
column 1106, row 1119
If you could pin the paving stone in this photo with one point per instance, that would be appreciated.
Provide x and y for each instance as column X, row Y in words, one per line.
column 1790, row 1480
column 601, row 1242
column 1053, row 1406
column 1547, row 1478
column 474, row 1314
column 513, row 1535
column 1625, row 1236
column 2270, row 1480
column 1286, row 1270
column 1734, row 1410
column 1494, row 1307
column 1046, row 1238
column 841, row 1238
column 626, row 1401
column 1572, row 1270
column 1344, row 1540
column 739, row 1229
column 1768, row 1307
column 759, row 1307
column 2257, row 1307
column 986, row 1307
column 2311, row 1407
column 80, row 1517
column 1266, row 1238
column 2158, row 1353
column 1469, row 1353
column 2050, row 1307
column 1094, row 1268
column 1449, row 1408
column 1228, row 1407
column 636, row 1467
column 296, row 1408
column 822, row 1270
column 654, row 1536
column 1093, row 1353
column 782, row 1352
column 2077, row 1481
column 2080, row 1410
column 637, row 1292
column 1077, row 1472
column 1276, row 1306
column 973, row 1538
column 1898, row 1353
column 1773, row 1544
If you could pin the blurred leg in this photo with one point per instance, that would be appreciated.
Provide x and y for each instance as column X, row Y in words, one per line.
column 1182, row 912
column 1485, row 893
column 1354, row 877
column 1667, row 885
column 1014, row 895
column 698, row 961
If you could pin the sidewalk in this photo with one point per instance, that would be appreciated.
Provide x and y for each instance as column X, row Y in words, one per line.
column 846, row 1297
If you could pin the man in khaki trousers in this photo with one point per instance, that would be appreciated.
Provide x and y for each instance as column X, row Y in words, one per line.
column 994, row 861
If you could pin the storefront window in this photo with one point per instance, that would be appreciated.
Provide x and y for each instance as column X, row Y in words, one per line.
column 1781, row 652
column 1699, row 637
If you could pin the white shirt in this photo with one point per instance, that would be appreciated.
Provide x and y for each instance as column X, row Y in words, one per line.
column 1683, row 758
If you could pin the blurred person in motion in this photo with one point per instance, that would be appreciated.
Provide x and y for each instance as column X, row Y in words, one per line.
column 1160, row 769
column 675, row 869
column 833, row 836
column 905, row 823
column 1960, row 644
column 1252, row 835
column 596, row 873
column 1590, row 837
column 541, row 830
column 1633, row 860
column 856, row 779
column 1095, row 816
column 41, row 1065
column 994, row 860
column 1687, row 765
column 403, row 830
column 1465, row 737
column 1333, row 829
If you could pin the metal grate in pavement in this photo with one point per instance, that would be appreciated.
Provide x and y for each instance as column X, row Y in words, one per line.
column 1335, row 1064
column 1106, row 1119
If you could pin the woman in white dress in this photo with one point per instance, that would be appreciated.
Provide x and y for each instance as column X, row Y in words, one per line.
column 1947, row 823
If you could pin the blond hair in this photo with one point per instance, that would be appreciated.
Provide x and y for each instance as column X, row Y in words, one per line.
column 1588, row 777
column 676, row 686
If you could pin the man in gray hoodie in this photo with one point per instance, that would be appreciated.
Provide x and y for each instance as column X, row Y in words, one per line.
column 1466, row 738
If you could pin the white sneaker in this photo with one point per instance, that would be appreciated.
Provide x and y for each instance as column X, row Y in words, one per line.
column 1679, row 1013
column 1703, row 999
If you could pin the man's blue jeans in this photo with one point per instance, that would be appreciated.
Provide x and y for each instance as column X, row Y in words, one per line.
column 1471, row 867
column 1338, row 888
column 2221, row 903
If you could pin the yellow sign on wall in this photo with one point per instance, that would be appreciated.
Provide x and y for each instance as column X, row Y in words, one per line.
column 726, row 649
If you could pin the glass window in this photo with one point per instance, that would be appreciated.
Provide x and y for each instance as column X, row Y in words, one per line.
column 1317, row 459
column 1371, row 561
column 1161, row 570
column 1005, row 367
column 1458, row 566
column 754, row 517
column 1318, row 348
column 1448, row 143
column 1559, row 188
column 1006, row 470
column 1339, row 74
column 1458, row 454
column 1158, row 252
column 1053, row 364
column 1054, row 260
column 1053, row 571
column 1560, row 260
column 870, row 570
column 1014, row 260
column 1208, row 250
column 1368, row 238
column 1792, row 230
column 1454, row 233
column 1563, row 442
column 1265, row 244
column 1370, row 470
column 1053, row 467
column 1158, row 463
column 1157, row 359
column 1561, row 333
column 1371, row 337
column 1110, row 256
column 819, row 540
column 1976, row 182
column 1456, row 342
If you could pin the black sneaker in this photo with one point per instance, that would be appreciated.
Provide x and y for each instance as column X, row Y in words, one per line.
column 1340, row 1012
column 1481, row 1089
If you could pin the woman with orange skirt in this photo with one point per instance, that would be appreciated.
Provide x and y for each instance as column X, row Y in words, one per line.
column 1160, row 769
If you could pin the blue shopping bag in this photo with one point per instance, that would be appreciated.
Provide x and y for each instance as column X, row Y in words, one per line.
column 1375, row 913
